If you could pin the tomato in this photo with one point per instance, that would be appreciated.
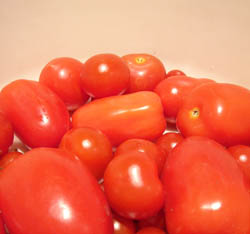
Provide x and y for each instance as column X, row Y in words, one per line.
column 219, row 111
column 174, row 90
column 143, row 146
column 146, row 71
column 168, row 141
column 2, row 230
column 39, row 117
column 151, row 230
column 204, row 190
column 136, row 115
column 132, row 186
column 91, row 146
column 48, row 191
column 63, row 76
column 122, row 225
column 6, row 134
column 9, row 158
column 105, row 75
column 175, row 73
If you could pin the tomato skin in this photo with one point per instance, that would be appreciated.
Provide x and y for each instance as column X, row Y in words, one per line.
column 91, row 146
column 218, row 111
column 211, row 197
column 173, row 92
column 2, row 230
column 146, row 71
column 122, row 225
column 132, row 186
column 151, row 230
column 63, row 76
column 105, row 75
column 53, row 182
column 175, row 73
column 9, row 158
column 6, row 134
column 143, row 146
column 46, row 118
column 137, row 115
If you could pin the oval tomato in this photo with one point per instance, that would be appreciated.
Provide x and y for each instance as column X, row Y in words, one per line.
column 137, row 115
column 175, row 73
column 39, row 117
column 49, row 191
column 122, row 225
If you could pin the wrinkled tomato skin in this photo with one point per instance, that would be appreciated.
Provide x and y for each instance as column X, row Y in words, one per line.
column 218, row 111
column 53, row 187
column 63, row 76
column 136, row 115
column 9, row 158
column 123, row 226
column 175, row 73
column 39, row 117
column 151, row 230
column 146, row 71
column 211, row 197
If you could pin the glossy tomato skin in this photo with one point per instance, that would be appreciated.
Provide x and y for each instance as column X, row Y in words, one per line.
column 173, row 92
column 123, row 226
column 204, row 190
column 146, row 71
column 175, row 73
column 53, row 187
column 137, row 115
column 91, row 146
column 63, row 76
column 6, row 134
column 105, row 75
column 219, row 111
column 132, row 186
column 146, row 147
column 39, row 117
column 151, row 230
column 8, row 158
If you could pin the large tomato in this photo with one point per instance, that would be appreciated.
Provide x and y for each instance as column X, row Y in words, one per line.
column 39, row 117
column 49, row 191
column 204, row 190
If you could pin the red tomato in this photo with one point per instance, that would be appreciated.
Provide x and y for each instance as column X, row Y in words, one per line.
column 91, row 146
column 143, row 146
column 52, row 187
column 219, row 111
column 8, row 158
column 122, row 225
column 2, row 229
column 38, row 115
column 168, row 141
column 132, row 186
column 151, row 230
column 6, row 134
column 175, row 73
column 105, row 75
column 63, row 76
column 137, row 115
column 174, row 90
column 146, row 71
column 204, row 190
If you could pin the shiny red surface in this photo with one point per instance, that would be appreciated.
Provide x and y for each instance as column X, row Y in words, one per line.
column 151, row 230
column 8, row 159
column 123, row 226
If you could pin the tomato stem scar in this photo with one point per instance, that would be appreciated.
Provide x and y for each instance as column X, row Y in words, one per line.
column 140, row 60
column 194, row 113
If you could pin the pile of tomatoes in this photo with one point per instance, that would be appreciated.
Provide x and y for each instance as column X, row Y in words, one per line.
column 119, row 145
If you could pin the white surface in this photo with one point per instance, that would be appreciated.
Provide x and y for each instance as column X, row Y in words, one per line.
column 203, row 38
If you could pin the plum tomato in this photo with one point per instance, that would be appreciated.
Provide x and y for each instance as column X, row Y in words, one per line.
column 151, row 230
column 175, row 73
column 48, row 191
column 39, row 117
column 146, row 71
column 9, row 158
column 136, row 115
column 218, row 111
column 91, row 146
column 123, row 226
column 204, row 190
column 173, row 92
column 132, row 186
column 143, row 146
column 105, row 75
column 63, row 76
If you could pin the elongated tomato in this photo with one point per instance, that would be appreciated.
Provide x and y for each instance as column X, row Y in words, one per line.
column 136, row 115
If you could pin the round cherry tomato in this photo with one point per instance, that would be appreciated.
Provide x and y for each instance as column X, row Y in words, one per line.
column 52, row 187
column 175, row 73
column 105, row 75
column 9, row 158
column 146, row 71
column 6, row 134
column 91, row 146
column 218, row 111
column 151, row 230
column 39, row 117
column 63, row 76
column 122, row 225
column 204, row 190
column 173, row 92
column 132, row 186
column 143, row 146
